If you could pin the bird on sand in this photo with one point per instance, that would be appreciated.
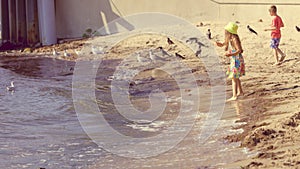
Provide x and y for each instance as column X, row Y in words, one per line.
column 66, row 54
column 251, row 30
column 96, row 50
column 78, row 52
column 179, row 56
column 163, row 52
column 192, row 40
column 208, row 34
column 170, row 42
column 55, row 53
column 154, row 57
column 297, row 28
column 11, row 87
column 140, row 59
column 198, row 52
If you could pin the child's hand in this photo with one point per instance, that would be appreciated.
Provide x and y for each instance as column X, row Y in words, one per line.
column 219, row 44
column 228, row 53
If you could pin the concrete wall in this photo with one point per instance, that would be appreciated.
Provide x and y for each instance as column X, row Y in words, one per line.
column 73, row 17
column 243, row 10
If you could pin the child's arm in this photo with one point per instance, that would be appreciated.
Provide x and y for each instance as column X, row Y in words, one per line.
column 272, row 28
column 219, row 44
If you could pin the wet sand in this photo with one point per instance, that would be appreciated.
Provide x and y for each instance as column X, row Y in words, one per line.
column 270, row 106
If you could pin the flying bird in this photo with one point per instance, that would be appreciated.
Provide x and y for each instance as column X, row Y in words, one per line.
column 11, row 87
column 179, row 56
column 170, row 42
column 297, row 28
column 251, row 30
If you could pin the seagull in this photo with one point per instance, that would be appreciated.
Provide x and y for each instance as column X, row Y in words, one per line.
column 78, row 52
column 191, row 40
column 163, row 52
column 198, row 52
column 96, row 50
column 140, row 58
column 297, row 28
column 170, row 42
column 66, row 54
column 208, row 34
column 154, row 57
column 11, row 87
column 179, row 56
column 200, row 44
column 55, row 53
column 251, row 30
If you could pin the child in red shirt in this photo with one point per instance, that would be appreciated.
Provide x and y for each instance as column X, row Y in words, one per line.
column 276, row 34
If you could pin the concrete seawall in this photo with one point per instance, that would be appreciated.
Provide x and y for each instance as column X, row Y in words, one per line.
column 73, row 17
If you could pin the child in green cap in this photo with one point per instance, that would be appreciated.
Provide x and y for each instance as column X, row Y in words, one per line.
column 237, row 65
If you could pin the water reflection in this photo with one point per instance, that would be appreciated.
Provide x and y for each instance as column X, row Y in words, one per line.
column 39, row 126
column 241, row 107
column 237, row 106
column 36, row 67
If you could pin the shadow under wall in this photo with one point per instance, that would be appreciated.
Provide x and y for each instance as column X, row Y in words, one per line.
column 109, row 19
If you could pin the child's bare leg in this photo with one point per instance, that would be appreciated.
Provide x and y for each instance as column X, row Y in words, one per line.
column 240, row 91
column 276, row 56
column 281, row 53
column 234, row 90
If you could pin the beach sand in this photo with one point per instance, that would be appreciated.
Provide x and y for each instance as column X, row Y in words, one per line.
column 272, row 92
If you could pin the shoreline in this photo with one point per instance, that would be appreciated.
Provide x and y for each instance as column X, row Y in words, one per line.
column 273, row 127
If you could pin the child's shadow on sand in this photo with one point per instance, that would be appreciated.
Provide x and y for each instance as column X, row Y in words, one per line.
column 289, row 60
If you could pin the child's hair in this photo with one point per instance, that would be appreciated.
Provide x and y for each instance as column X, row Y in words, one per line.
column 273, row 8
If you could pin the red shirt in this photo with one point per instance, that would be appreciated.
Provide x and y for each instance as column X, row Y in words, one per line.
column 277, row 23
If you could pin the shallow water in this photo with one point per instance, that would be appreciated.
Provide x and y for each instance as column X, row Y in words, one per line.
column 40, row 128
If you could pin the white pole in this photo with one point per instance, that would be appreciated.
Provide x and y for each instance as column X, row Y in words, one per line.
column 46, row 15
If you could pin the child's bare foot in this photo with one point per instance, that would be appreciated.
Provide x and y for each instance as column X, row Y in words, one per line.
column 282, row 57
column 231, row 99
column 240, row 94
column 276, row 64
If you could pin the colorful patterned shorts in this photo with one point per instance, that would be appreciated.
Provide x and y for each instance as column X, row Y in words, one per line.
column 275, row 43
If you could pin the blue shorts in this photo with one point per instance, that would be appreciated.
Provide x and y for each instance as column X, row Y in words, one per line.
column 275, row 43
